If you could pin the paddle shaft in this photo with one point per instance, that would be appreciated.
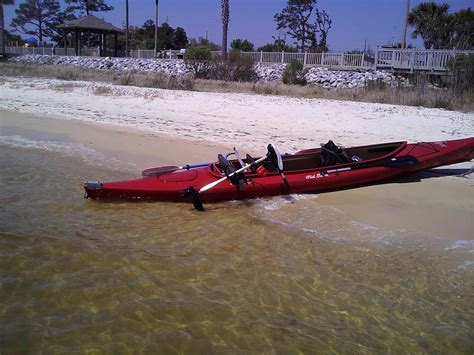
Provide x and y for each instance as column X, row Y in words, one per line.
column 212, row 184
column 162, row 170
column 389, row 162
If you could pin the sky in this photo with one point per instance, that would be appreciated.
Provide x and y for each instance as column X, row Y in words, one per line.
column 354, row 22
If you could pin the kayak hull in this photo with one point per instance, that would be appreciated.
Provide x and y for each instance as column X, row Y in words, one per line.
column 170, row 187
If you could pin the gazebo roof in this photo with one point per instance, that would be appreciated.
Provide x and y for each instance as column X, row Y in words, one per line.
column 90, row 23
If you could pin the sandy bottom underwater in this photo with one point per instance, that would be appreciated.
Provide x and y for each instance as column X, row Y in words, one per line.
column 382, row 268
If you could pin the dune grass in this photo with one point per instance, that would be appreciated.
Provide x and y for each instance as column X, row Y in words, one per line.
column 419, row 94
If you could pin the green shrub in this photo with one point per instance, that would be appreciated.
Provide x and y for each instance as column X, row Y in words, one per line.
column 164, row 81
column 103, row 91
column 67, row 73
column 241, row 45
column 126, row 78
column 233, row 68
column 198, row 58
column 294, row 73
column 375, row 85
column 201, row 53
column 462, row 69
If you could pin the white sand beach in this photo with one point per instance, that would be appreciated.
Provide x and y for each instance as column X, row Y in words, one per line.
column 246, row 121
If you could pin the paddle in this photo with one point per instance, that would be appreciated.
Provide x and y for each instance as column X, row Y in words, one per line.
column 395, row 162
column 273, row 154
column 217, row 182
column 162, row 170
column 275, row 157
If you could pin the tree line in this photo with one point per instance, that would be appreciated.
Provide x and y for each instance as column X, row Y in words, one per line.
column 302, row 21
column 440, row 29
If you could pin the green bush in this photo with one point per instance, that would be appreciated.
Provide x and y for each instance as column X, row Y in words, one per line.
column 201, row 53
column 199, row 57
column 294, row 73
column 241, row 45
column 375, row 85
column 165, row 81
column 233, row 68
column 67, row 73
column 462, row 69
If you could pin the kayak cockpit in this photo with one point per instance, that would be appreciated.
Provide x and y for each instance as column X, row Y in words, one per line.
column 328, row 155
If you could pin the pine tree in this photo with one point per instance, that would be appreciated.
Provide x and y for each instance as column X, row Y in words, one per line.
column 2, row 24
column 86, row 7
column 38, row 18
column 298, row 20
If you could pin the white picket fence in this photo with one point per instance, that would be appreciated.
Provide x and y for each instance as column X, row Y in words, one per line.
column 408, row 60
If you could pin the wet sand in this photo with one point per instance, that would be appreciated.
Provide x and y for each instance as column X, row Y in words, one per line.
column 432, row 207
column 427, row 204
column 138, row 147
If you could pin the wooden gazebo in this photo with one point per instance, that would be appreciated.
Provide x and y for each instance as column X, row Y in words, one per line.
column 90, row 24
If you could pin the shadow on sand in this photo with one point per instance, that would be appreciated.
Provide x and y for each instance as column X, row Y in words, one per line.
column 433, row 173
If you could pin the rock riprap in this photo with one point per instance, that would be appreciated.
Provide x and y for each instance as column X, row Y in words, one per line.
column 349, row 79
column 265, row 72
column 171, row 67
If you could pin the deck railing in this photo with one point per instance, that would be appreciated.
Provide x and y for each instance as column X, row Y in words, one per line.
column 329, row 59
column 412, row 60
column 408, row 60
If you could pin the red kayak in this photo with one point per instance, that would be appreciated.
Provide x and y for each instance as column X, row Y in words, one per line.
column 313, row 170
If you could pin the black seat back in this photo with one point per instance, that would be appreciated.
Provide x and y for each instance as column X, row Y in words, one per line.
column 331, row 154
column 227, row 167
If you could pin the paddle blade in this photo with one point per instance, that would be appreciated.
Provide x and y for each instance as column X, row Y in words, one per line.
column 275, row 157
column 161, row 170
column 193, row 194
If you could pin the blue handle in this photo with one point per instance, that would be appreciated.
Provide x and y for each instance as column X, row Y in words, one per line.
column 187, row 167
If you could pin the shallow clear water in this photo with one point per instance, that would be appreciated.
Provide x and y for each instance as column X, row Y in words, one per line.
column 282, row 274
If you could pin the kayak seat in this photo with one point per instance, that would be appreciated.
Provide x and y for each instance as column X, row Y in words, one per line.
column 331, row 154
column 269, row 166
column 251, row 160
column 228, row 168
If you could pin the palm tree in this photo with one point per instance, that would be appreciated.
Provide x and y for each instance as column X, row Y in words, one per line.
column 431, row 22
column 225, row 24
column 405, row 25
column 2, row 24
column 156, row 27
column 126, row 28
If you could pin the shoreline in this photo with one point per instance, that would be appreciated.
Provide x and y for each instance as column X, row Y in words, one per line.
column 132, row 146
column 438, row 207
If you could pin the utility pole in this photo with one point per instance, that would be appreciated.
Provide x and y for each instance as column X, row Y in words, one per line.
column 126, row 28
column 404, row 38
column 156, row 28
